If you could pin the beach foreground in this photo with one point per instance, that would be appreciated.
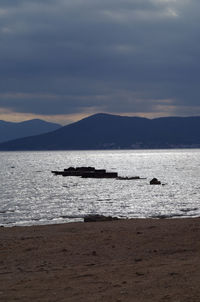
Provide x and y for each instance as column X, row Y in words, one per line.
column 125, row 260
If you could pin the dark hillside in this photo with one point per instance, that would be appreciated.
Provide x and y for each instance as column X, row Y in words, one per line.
column 104, row 131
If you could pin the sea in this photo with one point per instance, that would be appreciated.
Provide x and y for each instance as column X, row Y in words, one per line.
column 31, row 195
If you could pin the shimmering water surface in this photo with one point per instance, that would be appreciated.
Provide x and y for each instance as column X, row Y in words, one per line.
column 31, row 194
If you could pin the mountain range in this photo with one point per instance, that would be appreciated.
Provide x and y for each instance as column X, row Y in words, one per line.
column 11, row 131
column 105, row 131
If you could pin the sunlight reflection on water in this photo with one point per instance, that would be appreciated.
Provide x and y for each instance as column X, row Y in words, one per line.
column 31, row 194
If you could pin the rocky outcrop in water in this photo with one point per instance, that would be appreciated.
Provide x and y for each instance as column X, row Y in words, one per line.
column 86, row 172
column 91, row 172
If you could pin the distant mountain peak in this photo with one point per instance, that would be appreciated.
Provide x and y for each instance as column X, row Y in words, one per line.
column 15, row 130
column 100, row 115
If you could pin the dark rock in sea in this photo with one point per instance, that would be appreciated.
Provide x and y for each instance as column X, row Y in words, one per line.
column 188, row 210
column 173, row 215
column 130, row 178
column 86, row 172
column 91, row 172
column 155, row 181
column 99, row 218
column 161, row 216
column 99, row 174
column 70, row 169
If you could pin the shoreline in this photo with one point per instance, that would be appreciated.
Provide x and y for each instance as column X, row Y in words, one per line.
column 159, row 217
column 122, row 260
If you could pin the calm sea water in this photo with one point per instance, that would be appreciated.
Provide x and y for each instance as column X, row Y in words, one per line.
column 31, row 194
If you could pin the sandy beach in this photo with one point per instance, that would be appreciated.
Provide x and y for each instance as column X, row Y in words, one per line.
column 125, row 260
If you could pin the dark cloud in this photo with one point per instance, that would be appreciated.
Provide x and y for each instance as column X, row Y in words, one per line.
column 64, row 56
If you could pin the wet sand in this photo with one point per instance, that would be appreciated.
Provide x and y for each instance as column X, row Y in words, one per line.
column 127, row 260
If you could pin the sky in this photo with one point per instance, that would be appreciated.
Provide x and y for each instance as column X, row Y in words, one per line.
column 62, row 60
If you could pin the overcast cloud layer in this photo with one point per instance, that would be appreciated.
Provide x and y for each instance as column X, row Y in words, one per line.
column 84, row 56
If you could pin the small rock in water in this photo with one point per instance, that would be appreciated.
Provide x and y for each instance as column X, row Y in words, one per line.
column 155, row 181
